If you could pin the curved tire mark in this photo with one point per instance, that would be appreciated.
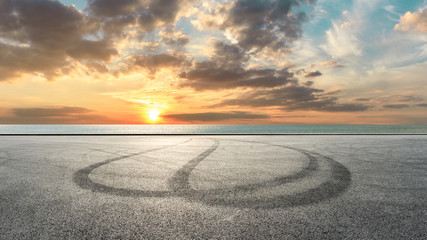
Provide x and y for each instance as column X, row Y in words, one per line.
column 82, row 179
column 179, row 184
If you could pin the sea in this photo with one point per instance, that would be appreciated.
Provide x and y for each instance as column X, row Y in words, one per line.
column 209, row 129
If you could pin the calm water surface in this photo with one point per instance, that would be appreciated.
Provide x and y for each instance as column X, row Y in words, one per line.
column 213, row 129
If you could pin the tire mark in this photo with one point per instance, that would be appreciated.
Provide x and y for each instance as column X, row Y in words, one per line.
column 179, row 182
column 82, row 179
column 335, row 185
column 310, row 169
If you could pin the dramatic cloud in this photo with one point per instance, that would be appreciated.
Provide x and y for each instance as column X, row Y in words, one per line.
column 416, row 21
column 55, row 115
column 41, row 36
column 156, row 62
column 147, row 14
column 396, row 106
column 111, row 8
column 91, row 50
column 294, row 97
column 271, row 87
column 214, row 116
column 257, row 24
column 163, row 55
column 210, row 76
column 312, row 74
column 225, row 70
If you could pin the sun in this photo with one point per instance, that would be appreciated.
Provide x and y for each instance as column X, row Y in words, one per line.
column 153, row 115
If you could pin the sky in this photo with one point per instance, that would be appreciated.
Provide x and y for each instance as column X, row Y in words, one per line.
column 213, row 62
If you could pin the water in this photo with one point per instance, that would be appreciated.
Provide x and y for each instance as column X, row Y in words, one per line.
column 213, row 129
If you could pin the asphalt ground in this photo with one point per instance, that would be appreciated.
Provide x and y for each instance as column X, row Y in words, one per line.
column 213, row 187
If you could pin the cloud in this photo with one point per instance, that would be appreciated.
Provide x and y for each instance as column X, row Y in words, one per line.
column 332, row 64
column 313, row 74
column 413, row 22
column 269, row 87
column 292, row 98
column 48, row 112
column 257, row 24
column 396, row 106
column 54, row 115
column 155, row 62
column 410, row 98
column 342, row 42
column 226, row 55
column 211, row 76
column 147, row 15
column 41, row 37
column 111, row 8
column 215, row 116
column 91, row 50
column 422, row 105
column 44, row 36
column 225, row 70
column 362, row 99
column 174, row 37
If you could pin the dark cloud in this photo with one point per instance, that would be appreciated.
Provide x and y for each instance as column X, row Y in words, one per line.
column 422, row 105
column 215, row 116
column 396, row 106
column 265, row 23
column 211, row 76
column 54, row 115
column 362, row 99
column 111, row 8
column 44, row 36
column 312, row 74
column 41, row 36
column 117, row 15
column 229, row 55
column 91, row 50
column 271, row 87
column 15, row 60
column 332, row 93
column 410, row 98
column 225, row 70
column 293, row 97
column 155, row 62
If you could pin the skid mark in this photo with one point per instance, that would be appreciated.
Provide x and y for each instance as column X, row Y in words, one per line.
column 237, row 196
column 82, row 179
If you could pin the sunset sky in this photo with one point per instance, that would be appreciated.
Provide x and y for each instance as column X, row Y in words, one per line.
column 213, row 62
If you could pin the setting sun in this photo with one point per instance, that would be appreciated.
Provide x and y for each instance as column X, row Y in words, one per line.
column 153, row 115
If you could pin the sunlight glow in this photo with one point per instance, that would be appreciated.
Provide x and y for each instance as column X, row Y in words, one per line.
column 153, row 115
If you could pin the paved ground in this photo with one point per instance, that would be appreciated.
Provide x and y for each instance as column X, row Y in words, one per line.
column 216, row 187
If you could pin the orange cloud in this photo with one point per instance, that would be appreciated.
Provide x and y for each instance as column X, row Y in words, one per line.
column 416, row 21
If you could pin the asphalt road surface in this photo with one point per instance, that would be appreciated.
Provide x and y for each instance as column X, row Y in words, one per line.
column 213, row 187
